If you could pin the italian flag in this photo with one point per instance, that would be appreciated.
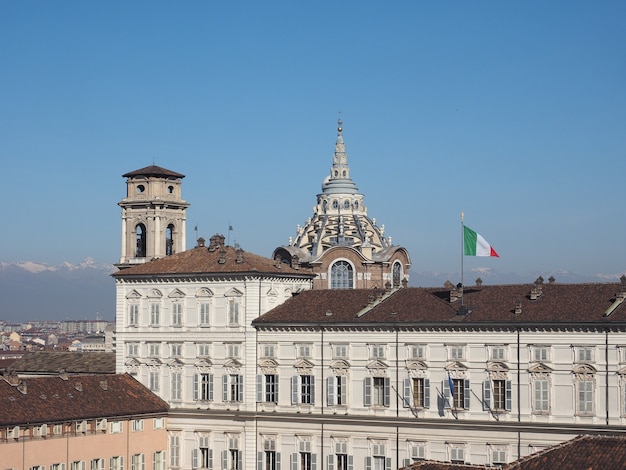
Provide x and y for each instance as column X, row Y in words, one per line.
column 476, row 245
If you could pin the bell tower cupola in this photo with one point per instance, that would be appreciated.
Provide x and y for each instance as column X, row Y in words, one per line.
column 153, row 215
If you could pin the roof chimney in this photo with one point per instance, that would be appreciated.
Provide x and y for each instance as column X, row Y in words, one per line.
column 518, row 307
column 239, row 259
column 479, row 282
column 78, row 386
column 536, row 290
column 104, row 385
column 551, row 280
column 201, row 242
column 22, row 387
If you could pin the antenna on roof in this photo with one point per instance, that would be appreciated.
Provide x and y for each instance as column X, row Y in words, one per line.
column 230, row 229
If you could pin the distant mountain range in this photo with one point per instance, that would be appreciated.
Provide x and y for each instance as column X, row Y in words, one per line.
column 35, row 291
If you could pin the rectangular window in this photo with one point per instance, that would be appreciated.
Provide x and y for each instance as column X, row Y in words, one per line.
column 177, row 314
column 233, row 351
column 269, row 350
column 498, row 353
column 116, row 427
column 57, row 429
column 585, row 397
column 304, row 350
column 540, row 354
column 176, row 383
column 305, row 460
column 158, row 423
column 57, row 466
column 233, row 313
column 133, row 349
column 154, row 349
column 419, row 393
column 498, row 456
column 271, row 388
column 541, row 395
column 204, row 350
column 78, row 465
column 306, row 389
column 378, row 351
column 154, row 380
column 457, row 353
column 155, row 314
column 584, row 354
column 232, row 388
column 457, row 455
column 174, row 451
column 417, row 351
column 341, row 455
column 137, row 425
column 378, row 389
column 116, row 463
column 337, row 390
column 97, row 464
column 176, row 350
column 138, row 462
column 158, row 460
column 341, row 351
column 204, row 314
column 203, row 387
column 499, row 394
column 133, row 314
column 418, row 451
column 270, row 460
column 456, row 393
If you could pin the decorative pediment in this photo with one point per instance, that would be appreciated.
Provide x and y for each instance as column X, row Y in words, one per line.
column 153, row 362
column 133, row 295
column 204, row 292
column 155, row 294
column 540, row 369
column 233, row 293
column 584, row 369
column 271, row 292
column 303, row 364
column 497, row 367
column 132, row 362
column 456, row 366
column 176, row 294
column 340, row 364
column 232, row 364
column 203, row 363
column 268, row 366
column 175, row 362
column 416, row 365
column 377, row 365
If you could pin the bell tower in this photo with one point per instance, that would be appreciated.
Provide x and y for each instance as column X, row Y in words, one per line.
column 153, row 215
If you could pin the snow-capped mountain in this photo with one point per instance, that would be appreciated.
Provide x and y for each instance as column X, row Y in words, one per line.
column 38, row 291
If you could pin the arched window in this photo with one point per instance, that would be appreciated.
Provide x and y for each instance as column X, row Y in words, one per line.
column 397, row 274
column 140, row 249
column 169, row 240
column 341, row 275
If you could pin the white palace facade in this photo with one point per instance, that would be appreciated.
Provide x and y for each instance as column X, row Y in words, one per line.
column 279, row 363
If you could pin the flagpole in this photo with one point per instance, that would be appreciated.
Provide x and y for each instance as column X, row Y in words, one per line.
column 462, row 254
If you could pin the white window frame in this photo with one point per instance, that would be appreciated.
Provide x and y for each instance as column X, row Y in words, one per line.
column 233, row 312
column 456, row 352
column 137, row 425
column 177, row 314
column 340, row 351
column 585, row 397
column 133, row 314
column 176, row 385
column 541, row 353
column 204, row 314
column 541, row 404
column 155, row 314
column 378, row 351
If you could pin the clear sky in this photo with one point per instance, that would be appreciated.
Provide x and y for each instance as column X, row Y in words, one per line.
column 513, row 112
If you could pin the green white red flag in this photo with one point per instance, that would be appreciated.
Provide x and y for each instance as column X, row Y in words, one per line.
column 475, row 245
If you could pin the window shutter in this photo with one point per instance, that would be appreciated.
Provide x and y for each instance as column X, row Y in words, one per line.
column 225, row 459
column 225, row 389
column 276, row 382
column 387, row 391
column 406, row 462
column 426, row 393
column 330, row 462
column 312, row 390
column 210, row 458
column 407, row 402
column 240, row 391
column 466, row 394
column 313, row 461
column 344, row 389
column 277, row 460
column 259, row 389
column 350, row 462
column 294, row 390
column 259, row 459
column 367, row 391
column 509, row 396
column 294, row 461
column 210, row 387
column 486, row 395
column 447, row 399
column 196, row 387
column 330, row 389
column 368, row 463
column 239, row 459
column 388, row 463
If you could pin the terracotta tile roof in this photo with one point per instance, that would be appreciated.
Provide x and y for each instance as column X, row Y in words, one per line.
column 582, row 453
column 48, row 362
column 153, row 170
column 434, row 465
column 54, row 399
column 558, row 303
column 219, row 261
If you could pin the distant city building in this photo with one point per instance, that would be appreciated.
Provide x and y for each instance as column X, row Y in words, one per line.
column 83, row 326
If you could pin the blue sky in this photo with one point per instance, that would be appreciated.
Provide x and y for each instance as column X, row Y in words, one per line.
column 513, row 112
